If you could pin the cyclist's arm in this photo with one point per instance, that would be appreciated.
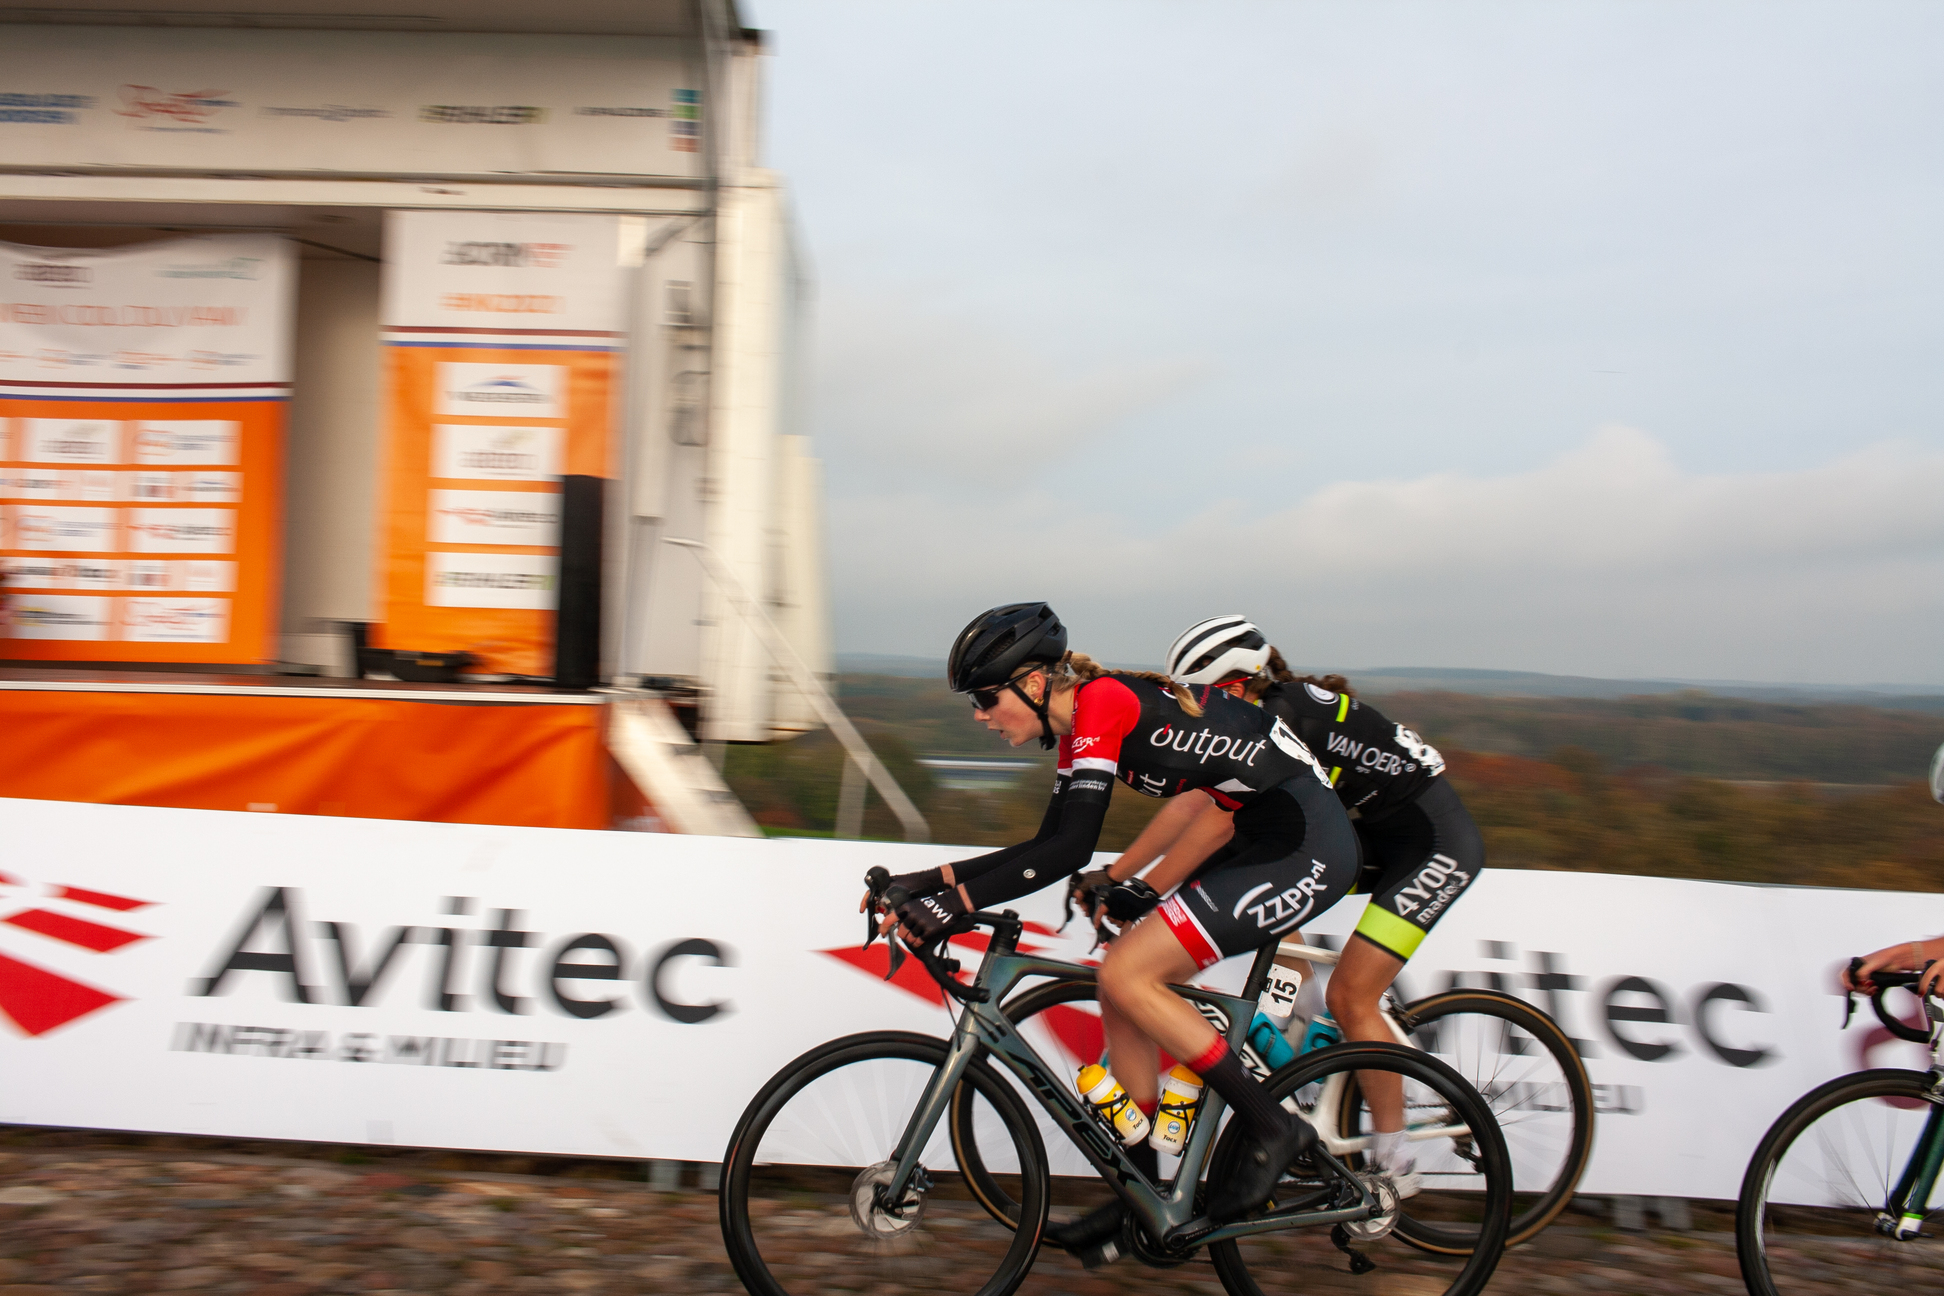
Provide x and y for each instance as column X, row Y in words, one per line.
column 931, row 881
column 1040, row 862
column 1907, row 956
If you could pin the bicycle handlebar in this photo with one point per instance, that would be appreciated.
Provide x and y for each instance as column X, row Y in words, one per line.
column 1884, row 979
column 886, row 898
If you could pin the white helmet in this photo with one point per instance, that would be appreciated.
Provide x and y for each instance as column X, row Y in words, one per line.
column 1212, row 650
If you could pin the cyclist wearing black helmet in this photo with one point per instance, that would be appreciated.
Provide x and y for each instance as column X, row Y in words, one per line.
column 1421, row 849
column 1296, row 855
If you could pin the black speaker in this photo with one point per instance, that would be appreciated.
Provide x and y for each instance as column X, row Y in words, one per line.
column 577, row 625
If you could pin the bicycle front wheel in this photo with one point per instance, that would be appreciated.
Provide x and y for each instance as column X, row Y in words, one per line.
column 1531, row 1076
column 1807, row 1220
column 1466, row 1185
column 803, row 1205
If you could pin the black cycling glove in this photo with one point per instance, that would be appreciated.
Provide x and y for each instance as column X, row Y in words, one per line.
column 1084, row 890
column 1132, row 899
column 924, row 883
column 928, row 918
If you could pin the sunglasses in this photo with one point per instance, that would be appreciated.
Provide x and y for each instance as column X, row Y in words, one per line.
column 987, row 698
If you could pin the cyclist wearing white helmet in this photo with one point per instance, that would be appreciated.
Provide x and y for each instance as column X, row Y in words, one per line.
column 1420, row 847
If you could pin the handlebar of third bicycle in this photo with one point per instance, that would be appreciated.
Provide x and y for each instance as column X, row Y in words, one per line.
column 885, row 898
column 1884, row 979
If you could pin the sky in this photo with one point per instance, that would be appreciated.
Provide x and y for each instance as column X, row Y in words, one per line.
column 1596, row 339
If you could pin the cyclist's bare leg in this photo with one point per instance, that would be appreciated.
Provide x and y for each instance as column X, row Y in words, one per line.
column 1355, row 997
column 1136, row 1061
column 1140, row 966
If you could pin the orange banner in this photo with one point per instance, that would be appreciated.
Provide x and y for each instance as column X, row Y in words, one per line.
column 480, row 437
column 535, row 765
column 141, row 530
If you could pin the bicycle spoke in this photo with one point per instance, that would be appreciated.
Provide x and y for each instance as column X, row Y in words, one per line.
column 1810, row 1213
column 806, row 1207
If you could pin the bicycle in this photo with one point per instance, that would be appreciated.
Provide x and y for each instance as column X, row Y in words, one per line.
column 1526, row 1067
column 838, row 1162
column 1844, row 1181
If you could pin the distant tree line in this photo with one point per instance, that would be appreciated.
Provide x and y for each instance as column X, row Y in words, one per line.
column 1683, row 785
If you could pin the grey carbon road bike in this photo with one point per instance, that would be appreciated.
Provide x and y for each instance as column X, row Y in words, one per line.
column 1845, row 1182
column 1527, row 1069
column 840, row 1174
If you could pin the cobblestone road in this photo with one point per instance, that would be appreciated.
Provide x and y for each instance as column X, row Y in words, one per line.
column 176, row 1215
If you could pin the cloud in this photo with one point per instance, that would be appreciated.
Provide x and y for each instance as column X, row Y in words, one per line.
column 1608, row 560
column 903, row 387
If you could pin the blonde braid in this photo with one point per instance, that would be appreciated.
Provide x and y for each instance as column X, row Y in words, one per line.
column 1076, row 668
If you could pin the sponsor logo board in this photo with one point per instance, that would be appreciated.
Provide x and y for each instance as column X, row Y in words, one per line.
column 56, row 484
column 59, row 616
column 464, row 517
column 61, row 528
column 70, row 441
column 152, row 108
column 187, row 531
column 476, row 580
column 186, row 441
column 502, row 391
column 64, row 573
column 33, row 109
column 175, row 620
column 489, row 453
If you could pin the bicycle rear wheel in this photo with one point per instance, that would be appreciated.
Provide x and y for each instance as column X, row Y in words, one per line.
column 801, row 1206
column 1807, row 1217
column 1531, row 1076
column 1481, row 1205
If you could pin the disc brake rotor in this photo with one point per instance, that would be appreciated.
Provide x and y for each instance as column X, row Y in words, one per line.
column 872, row 1215
column 1380, row 1224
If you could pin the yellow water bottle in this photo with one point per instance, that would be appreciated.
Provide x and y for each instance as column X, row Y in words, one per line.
column 1100, row 1088
column 1180, row 1096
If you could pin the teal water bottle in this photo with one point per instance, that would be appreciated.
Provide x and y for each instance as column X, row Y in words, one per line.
column 1322, row 1033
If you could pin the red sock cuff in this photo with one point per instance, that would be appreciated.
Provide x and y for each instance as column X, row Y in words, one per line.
column 1149, row 1107
column 1206, row 1062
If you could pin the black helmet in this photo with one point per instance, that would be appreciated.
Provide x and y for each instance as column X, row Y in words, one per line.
column 990, row 650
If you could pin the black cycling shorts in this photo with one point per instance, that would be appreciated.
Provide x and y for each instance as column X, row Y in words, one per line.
column 1293, row 856
column 1417, row 861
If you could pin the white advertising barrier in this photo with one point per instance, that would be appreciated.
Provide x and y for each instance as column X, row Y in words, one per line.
column 621, row 994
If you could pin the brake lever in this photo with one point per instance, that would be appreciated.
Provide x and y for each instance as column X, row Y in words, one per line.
column 876, row 879
column 1849, row 996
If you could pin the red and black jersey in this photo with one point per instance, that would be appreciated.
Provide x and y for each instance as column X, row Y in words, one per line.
column 1134, row 730
column 1374, row 765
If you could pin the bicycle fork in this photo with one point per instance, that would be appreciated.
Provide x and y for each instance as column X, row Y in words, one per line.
column 1902, row 1217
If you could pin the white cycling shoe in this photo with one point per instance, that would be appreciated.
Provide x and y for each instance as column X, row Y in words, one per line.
column 1404, row 1176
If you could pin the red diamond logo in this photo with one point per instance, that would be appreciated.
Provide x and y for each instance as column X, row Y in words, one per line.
column 37, row 1000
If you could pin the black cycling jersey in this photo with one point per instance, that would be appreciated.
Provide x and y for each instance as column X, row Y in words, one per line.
column 1134, row 730
column 1374, row 765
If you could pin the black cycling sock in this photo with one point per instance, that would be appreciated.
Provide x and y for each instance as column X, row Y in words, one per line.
column 1246, row 1098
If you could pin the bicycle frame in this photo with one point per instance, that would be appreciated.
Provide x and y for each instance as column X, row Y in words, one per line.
column 1171, row 1218
column 1330, row 1102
